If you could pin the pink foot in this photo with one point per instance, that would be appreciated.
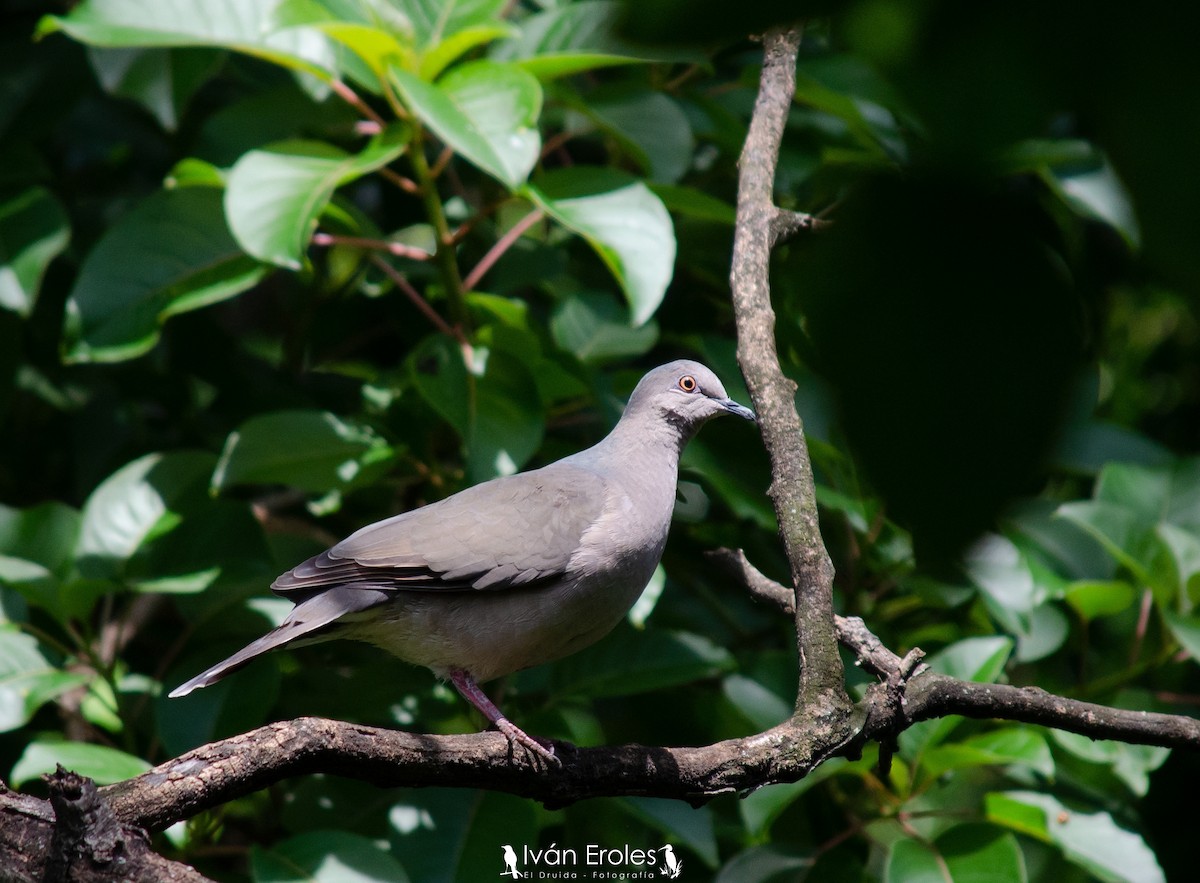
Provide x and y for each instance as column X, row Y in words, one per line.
column 469, row 690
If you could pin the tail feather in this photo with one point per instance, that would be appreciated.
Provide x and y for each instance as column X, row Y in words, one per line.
column 308, row 617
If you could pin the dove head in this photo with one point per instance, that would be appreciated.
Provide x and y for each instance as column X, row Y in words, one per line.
column 683, row 394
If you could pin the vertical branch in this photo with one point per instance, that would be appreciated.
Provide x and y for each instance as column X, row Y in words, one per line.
column 792, row 488
column 444, row 257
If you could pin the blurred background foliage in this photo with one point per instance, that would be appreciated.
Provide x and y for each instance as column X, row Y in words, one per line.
column 273, row 270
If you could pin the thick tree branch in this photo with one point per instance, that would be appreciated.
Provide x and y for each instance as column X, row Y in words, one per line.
column 792, row 488
column 222, row 771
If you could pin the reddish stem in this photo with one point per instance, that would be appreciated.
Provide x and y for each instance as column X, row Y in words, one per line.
column 503, row 244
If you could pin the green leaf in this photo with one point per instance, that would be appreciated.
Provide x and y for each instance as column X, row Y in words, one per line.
column 34, row 229
column 315, row 451
column 693, row 203
column 485, row 111
column 594, row 327
column 652, row 127
column 1094, row 598
column 764, row 864
column 192, row 172
column 442, row 54
column 435, row 21
column 760, row 809
column 446, row 836
column 184, row 258
column 25, row 673
column 1092, row 841
column 45, row 533
column 759, row 705
column 1186, row 630
column 140, row 500
column 264, row 28
column 628, row 662
column 161, row 80
column 681, row 824
column 1168, row 494
column 973, row 659
column 1099, row 194
column 998, row 568
column 623, row 221
column 568, row 39
column 100, row 763
column 507, row 419
column 972, row 853
column 1183, row 550
column 1011, row 745
column 498, row 413
column 325, row 857
column 275, row 195
column 1117, row 528
column 1132, row 764
column 376, row 31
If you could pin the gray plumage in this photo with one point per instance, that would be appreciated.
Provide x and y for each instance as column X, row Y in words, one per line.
column 513, row 572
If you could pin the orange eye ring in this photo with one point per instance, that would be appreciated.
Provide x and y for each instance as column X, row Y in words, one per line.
column 688, row 383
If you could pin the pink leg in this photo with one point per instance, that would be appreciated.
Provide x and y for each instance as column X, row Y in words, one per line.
column 469, row 690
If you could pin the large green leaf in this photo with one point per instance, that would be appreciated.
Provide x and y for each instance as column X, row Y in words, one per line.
column 100, row 763
column 140, row 500
column 1132, row 764
column 27, row 678
column 45, row 533
column 1022, row 746
column 497, row 412
column 594, row 327
column 275, row 195
column 447, row 836
column 265, row 28
column 325, row 857
column 162, row 80
column 964, row 854
column 1093, row 841
column 170, row 254
column 435, row 21
column 33, row 230
column 683, row 825
column 485, row 111
column 315, row 451
column 376, row 31
column 570, row 38
column 654, row 129
column 1148, row 519
column 623, row 221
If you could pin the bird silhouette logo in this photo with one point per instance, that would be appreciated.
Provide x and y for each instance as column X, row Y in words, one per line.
column 510, row 863
column 672, row 867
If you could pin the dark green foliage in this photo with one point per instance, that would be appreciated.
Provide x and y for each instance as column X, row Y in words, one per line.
column 221, row 350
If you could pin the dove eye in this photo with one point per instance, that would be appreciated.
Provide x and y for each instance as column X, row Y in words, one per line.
column 688, row 383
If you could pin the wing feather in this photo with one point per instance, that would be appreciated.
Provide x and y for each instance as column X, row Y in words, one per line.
column 512, row 531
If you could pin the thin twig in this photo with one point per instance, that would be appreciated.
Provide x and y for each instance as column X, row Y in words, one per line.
column 418, row 301
column 344, row 92
column 406, row 184
column 503, row 244
column 397, row 248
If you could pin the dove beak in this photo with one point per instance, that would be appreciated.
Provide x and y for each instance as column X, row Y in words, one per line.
column 741, row 410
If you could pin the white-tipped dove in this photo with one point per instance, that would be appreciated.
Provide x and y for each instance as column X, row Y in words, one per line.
column 513, row 572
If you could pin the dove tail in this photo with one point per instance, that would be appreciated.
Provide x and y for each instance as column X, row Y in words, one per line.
column 307, row 620
column 272, row 639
